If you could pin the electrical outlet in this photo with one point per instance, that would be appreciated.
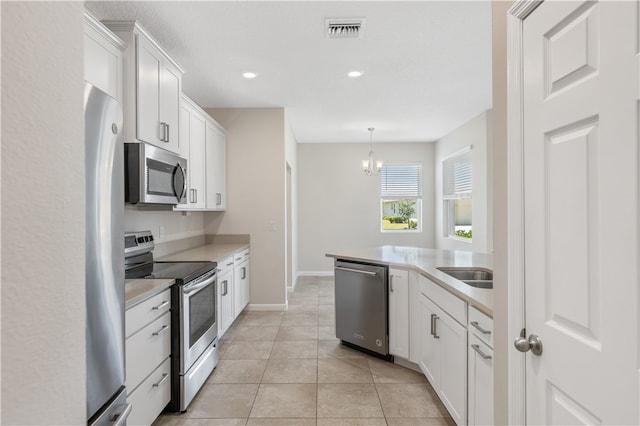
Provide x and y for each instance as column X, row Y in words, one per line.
column 161, row 232
column 272, row 226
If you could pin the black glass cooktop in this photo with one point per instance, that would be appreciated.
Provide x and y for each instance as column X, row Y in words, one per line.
column 182, row 272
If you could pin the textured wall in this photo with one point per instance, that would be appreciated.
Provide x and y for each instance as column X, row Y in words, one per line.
column 339, row 206
column 256, row 188
column 474, row 132
column 43, row 299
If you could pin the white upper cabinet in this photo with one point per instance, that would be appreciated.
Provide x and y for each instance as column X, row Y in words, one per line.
column 152, row 87
column 216, row 167
column 103, row 57
column 203, row 144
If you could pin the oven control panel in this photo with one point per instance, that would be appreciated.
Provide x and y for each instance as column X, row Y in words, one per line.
column 137, row 243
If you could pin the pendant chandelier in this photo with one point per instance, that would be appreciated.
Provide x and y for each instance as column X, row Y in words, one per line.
column 370, row 166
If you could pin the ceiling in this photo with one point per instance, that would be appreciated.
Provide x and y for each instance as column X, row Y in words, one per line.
column 426, row 64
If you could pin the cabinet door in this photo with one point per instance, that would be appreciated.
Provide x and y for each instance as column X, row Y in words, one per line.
column 225, row 295
column 480, row 382
column 429, row 360
column 399, row 312
column 453, row 363
column 216, row 168
column 195, row 164
column 148, row 99
column 169, row 89
column 241, row 280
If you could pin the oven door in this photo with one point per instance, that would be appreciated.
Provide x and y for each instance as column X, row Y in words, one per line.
column 198, row 319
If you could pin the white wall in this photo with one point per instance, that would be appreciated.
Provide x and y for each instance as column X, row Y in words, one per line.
column 339, row 206
column 176, row 225
column 256, row 186
column 499, row 152
column 291, row 158
column 475, row 132
column 43, row 295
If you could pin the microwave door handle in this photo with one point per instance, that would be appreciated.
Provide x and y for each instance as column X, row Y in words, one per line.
column 183, row 190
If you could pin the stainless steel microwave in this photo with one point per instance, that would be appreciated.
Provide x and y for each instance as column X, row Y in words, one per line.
column 154, row 175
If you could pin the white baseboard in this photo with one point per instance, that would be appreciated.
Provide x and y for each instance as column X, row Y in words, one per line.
column 264, row 307
column 314, row 274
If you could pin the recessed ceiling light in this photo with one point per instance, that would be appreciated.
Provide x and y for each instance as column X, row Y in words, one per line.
column 355, row 74
column 249, row 75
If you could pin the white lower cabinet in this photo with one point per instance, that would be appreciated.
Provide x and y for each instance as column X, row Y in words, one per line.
column 480, row 368
column 147, row 358
column 399, row 312
column 480, row 382
column 226, row 313
column 150, row 398
column 443, row 351
column 241, row 281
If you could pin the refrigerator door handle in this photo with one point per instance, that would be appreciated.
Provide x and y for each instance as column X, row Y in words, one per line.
column 121, row 419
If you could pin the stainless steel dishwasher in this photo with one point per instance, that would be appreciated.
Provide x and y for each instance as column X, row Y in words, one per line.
column 361, row 306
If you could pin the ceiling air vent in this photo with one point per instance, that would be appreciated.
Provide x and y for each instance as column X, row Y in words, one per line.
column 345, row 28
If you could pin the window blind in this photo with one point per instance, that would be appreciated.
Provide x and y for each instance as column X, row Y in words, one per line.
column 399, row 181
column 457, row 176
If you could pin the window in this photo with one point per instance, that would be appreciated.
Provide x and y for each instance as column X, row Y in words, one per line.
column 401, row 197
column 457, row 194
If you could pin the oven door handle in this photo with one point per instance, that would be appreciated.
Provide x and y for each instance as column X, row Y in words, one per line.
column 195, row 287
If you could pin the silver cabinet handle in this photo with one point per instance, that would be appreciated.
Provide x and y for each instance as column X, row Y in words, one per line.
column 165, row 376
column 480, row 329
column 479, row 352
column 121, row 419
column 168, row 134
column 391, row 283
column 160, row 306
column 218, row 198
column 230, row 263
column 357, row 271
column 244, row 273
column 195, row 191
column 162, row 330
column 224, row 283
column 434, row 331
column 164, row 131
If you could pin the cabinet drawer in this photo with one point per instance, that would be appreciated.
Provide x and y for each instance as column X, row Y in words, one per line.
column 242, row 256
column 146, row 349
column 150, row 398
column 143, row 313
column 225, row 265
column 481, row 325
column 455, row 307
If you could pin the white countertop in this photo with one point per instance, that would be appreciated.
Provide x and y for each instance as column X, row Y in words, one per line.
column 137, row 290
column 206, row 253
column 425, row 261
column 140, row 289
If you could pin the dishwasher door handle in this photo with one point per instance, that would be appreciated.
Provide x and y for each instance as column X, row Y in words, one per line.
column 357, row 271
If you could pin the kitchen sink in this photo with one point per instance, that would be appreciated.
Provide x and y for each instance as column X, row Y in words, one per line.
column 475, row 277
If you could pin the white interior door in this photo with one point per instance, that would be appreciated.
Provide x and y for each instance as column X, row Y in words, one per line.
column 580, row 92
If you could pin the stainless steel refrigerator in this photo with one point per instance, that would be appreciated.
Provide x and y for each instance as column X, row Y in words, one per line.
column 104, row 248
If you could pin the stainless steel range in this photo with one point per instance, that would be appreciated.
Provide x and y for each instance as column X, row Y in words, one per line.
column 194, row 341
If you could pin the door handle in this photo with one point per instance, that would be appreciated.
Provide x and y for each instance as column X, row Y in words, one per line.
column 434, row 331
column 162, row 330
column 357, row 271
column 391, row 283
column 533, row 343
column 482, row 354
column 480, row 329
column 121, row 419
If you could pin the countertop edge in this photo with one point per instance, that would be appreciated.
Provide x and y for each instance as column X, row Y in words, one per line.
column 450, row 284
column 206, row 253
column 140, row 289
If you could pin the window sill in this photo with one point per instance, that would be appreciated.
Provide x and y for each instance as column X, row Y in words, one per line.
column 461, row 239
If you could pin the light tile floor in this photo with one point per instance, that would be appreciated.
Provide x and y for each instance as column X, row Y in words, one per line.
column 288, row 368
